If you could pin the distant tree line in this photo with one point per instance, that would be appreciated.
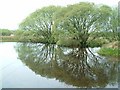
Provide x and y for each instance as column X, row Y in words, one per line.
column 6, row 32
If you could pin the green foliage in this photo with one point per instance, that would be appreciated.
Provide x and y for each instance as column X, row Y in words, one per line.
column 67, row 42
column 41, row 22
column 5, row 32
column 8, row 39
column 109, row 52
column 18, row 32
column 114, row 23
column 72, row 24
column 106, row 35
column 98, row 42
column 81, row 20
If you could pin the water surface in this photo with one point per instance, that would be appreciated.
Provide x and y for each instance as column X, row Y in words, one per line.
column 28, row 65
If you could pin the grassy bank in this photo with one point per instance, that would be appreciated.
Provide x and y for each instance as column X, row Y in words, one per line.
column 110, row 49
column 23, row 39
column 109, row 52
column 65, row 42
column 8, row 39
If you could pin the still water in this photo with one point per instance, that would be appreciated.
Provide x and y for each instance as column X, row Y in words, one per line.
column 28, row 65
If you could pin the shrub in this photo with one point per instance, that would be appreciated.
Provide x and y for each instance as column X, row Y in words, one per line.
column 98, row 42
column 68, row 42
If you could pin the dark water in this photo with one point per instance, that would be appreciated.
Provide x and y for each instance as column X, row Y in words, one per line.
column 27, row 65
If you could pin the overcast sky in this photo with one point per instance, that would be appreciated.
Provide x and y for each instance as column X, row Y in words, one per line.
column 12, row 12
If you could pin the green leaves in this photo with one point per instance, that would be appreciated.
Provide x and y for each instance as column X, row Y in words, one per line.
column 40, row 21
column 5, row 32
column 78, row 19
column 82, row 19
column 75, row 21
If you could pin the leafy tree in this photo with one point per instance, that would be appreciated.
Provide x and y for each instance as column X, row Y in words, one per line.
column 110, row 28
column 114, row 23
column 40, row 22
column 79, row 20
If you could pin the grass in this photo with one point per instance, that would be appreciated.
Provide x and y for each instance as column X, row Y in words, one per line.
column 109, row 52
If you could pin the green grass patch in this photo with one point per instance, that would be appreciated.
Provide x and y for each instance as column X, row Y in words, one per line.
column 109, row 52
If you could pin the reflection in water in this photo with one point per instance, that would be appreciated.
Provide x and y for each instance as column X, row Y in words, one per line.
column 77, row 67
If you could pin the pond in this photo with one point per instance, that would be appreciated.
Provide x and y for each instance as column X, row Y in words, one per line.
column 36, row 65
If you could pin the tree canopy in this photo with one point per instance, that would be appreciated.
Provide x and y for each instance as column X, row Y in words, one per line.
column 78, row 23
column 79, row 20
column 40, row 22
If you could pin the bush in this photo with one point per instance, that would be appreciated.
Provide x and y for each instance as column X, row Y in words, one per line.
column 98, row 42
column 68, row 42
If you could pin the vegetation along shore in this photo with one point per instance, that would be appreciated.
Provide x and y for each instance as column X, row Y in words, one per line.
column 79, row 25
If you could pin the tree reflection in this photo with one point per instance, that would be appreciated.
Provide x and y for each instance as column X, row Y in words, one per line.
column 77, row 67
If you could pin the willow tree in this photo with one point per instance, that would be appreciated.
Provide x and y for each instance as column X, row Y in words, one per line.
column 114, row 23
column 40, row 22
column 80, row 20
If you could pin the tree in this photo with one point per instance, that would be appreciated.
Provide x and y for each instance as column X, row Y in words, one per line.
column 40, row 22
column 114, row 23
column 79, row 20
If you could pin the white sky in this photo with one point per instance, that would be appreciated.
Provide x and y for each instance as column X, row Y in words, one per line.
column 12, row 12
